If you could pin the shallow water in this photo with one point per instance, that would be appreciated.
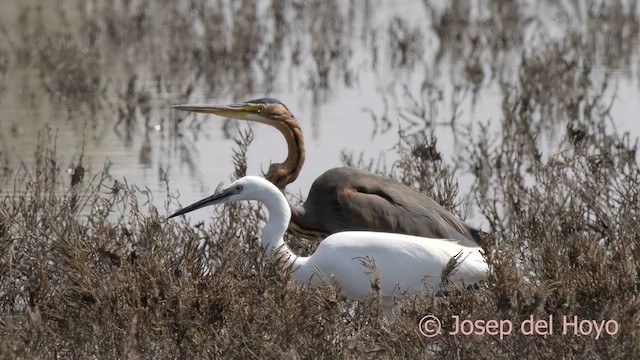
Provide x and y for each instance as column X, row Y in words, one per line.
column 334, row 119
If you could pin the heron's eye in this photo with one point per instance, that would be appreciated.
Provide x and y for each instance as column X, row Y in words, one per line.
column 239, row 188
column 260, row 108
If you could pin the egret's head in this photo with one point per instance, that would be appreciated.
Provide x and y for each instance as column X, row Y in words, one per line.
column 246, row 188
column 266, row 110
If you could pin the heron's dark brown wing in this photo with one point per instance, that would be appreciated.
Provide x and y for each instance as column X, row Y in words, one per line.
column 350, row 199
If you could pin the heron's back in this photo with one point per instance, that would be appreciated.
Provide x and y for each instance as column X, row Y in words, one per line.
column 360, row 200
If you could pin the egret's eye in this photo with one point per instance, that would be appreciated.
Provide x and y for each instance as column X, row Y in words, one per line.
column 238, row 187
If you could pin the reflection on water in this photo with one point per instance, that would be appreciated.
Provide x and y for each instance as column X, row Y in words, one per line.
column 103, row 75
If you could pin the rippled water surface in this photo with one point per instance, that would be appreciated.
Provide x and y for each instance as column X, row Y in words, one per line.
column 103, row 75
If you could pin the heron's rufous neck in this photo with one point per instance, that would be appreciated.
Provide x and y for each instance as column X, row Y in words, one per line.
column 288, row 171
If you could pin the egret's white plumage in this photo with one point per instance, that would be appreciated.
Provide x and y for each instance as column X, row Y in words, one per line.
column 402, row 262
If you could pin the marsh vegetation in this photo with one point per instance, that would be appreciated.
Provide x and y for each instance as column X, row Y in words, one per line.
column 91, row 268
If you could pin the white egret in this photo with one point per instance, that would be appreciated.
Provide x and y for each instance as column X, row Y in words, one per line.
column 402, row 262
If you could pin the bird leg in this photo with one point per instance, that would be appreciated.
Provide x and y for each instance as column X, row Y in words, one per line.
column 388, row 304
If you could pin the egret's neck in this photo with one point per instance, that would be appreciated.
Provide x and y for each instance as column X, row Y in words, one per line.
column 273, row 232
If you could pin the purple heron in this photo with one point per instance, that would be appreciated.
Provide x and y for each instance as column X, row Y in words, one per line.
column 344, row 198
column 402, row 262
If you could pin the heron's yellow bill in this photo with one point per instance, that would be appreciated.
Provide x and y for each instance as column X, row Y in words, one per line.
column 235, row 111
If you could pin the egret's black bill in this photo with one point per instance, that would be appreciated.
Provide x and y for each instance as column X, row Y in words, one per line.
column 211, row 200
